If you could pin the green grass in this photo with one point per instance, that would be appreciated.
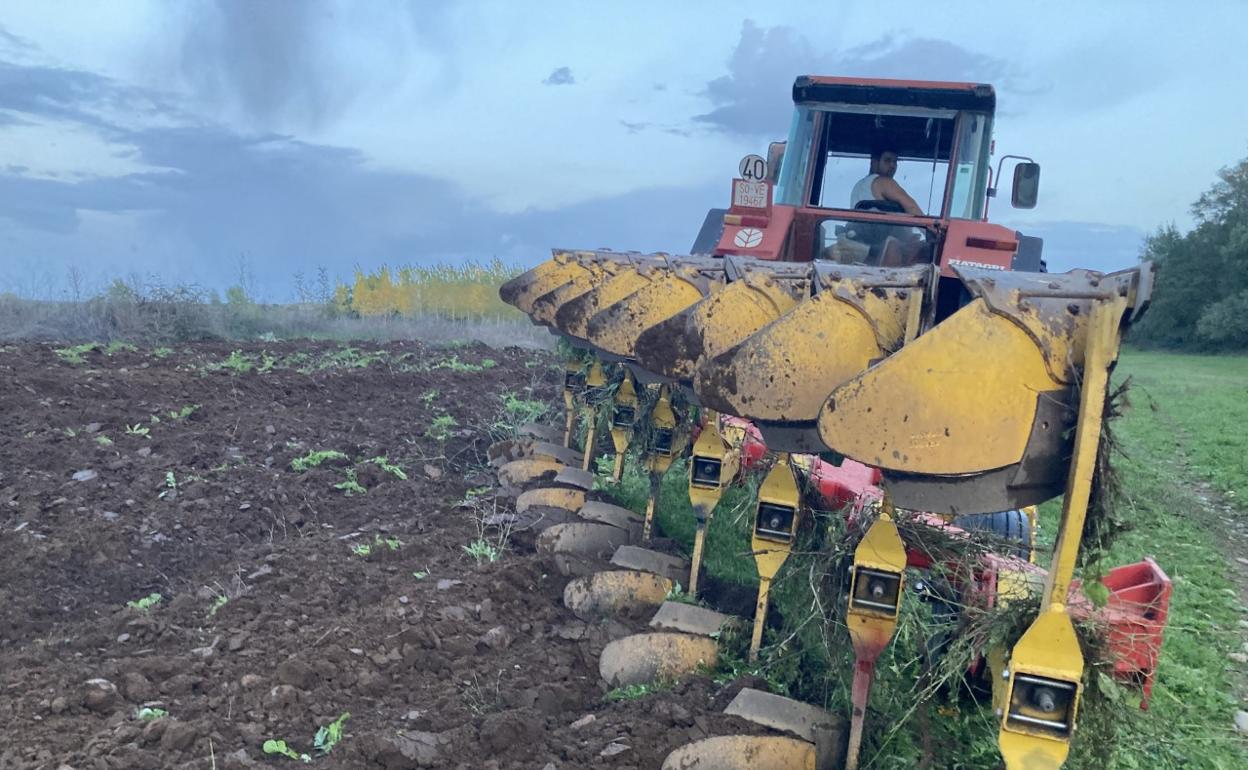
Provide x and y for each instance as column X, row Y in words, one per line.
column 727, row 536
column 1197, row 405
column 1184, row 428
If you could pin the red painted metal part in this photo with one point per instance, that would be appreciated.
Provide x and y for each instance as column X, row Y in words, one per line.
column 774, row 236
column 965, row 242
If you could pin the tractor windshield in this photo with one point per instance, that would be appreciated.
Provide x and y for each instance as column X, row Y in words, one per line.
column 941, row 157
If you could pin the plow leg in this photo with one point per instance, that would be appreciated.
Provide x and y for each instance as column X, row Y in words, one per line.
column 647, row 528
column 1043, row 682
column 875, row 591
column 864, row 675
column 760, row 618
column 695, row 566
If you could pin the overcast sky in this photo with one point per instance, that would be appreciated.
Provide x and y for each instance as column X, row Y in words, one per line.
column 169, row 140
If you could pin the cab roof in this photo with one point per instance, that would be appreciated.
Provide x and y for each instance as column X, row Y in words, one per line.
column 932, row 94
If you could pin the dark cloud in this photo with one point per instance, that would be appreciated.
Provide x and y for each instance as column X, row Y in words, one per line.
column 301, row 65
column 76, row 96
column 264, row 58
column 9, row 119
column 15, row 43
column 561, row 76
column 290, row 206
column 755, row 98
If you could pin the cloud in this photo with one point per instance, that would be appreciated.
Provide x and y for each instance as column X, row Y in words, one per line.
column 15, row 43
column 561, row 76
column 266, row 59
column 1092, row 245
column 754, row 99
column 207, row 194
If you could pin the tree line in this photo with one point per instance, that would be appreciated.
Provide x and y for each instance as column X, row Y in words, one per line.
column 1200, row 301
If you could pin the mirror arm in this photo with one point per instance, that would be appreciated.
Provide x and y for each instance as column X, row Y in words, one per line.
column 992, row 190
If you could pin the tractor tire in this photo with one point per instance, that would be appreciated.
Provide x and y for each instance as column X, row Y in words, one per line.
column 1012, row 527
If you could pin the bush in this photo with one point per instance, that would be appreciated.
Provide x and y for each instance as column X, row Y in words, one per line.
column 1225, row 323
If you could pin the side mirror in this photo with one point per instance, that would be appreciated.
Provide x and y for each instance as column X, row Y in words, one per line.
column 1026, row 186
column 775, row 156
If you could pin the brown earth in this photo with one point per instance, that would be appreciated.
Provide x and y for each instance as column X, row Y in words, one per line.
column 441, row 661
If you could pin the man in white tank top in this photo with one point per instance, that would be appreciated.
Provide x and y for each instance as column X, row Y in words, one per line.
column 879, row 185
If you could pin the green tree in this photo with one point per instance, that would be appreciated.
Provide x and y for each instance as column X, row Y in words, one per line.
column 1201, row 297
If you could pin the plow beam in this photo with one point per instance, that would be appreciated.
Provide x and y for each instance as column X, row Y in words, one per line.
column 674, row 287
column 974, row 415
column 757, row 293
column 781, row 376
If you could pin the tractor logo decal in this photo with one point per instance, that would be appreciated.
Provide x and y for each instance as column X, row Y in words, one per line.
column 748, row 237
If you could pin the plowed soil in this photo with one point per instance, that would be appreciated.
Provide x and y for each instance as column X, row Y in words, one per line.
column 145, row 472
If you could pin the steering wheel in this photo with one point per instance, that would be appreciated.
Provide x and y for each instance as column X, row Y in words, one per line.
column 888, row 207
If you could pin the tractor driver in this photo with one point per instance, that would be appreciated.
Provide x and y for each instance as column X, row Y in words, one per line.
column 879, row 185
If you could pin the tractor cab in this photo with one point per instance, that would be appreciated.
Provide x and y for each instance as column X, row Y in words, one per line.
column 940, row 135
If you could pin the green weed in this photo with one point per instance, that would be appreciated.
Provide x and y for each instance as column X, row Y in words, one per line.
column 146, row 603
column 74, row 355
column 472, row 495
column 280, row 748
column 440, row 428
column 184, row 412
column 519, row 411
column 328, row 736
column 455, row 365
column 483, row 551
column 236, row 362
column 171, row 485
column 103, row 440
column 148, row 714
column 117, row 346
column 352, row 485
column 429, row 396
column 637, row 691
column 162, row 353
column 217, row 604
column 316, row 458
column 138, row 429
column 385, row 464
column 366, row 549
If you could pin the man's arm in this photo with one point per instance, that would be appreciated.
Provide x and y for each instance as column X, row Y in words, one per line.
column 889, row 190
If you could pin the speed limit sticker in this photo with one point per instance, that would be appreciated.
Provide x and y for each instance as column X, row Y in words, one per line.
column 748, row 237
column 753, row 168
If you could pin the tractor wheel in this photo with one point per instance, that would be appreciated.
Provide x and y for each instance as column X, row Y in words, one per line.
column 1012, row 527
